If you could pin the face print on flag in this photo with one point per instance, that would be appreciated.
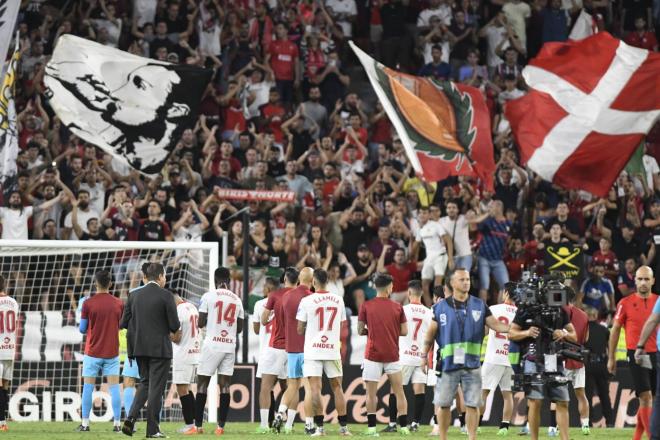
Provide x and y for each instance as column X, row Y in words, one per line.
column 132, row 107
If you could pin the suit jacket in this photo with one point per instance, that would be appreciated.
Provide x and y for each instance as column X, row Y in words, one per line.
column 150, row 316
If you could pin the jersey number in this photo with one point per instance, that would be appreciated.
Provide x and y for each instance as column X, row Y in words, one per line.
column 505, row 320
column 230, row 313
column 7, row 322
column 320, row 312
column 418, row 325
column 193, row 325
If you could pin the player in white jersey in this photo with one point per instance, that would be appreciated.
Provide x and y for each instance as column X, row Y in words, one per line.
column 439, row 251
column 185, row 358
column 221, row 312
column 8, row 319
column 496, row 369
column 266, row 394
column 320, row 318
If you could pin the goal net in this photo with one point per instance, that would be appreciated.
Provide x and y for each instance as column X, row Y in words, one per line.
column 48, row 279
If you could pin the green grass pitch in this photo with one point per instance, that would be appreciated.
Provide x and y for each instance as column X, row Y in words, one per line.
column 244, row 431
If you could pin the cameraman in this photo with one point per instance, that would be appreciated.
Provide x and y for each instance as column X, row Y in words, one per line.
column 527, row 336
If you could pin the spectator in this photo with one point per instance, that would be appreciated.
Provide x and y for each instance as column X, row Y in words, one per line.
column 517, row 14
column 85, row 212
column 436, row 8
column 153, row 228
column 15, row 216
column 456, row 225
column 626, row 279
column 606, row 258
column 555, row 22
column 283, row 56
column 597, row 291
column 344, row 13
column 494, row 228
column 436, row 68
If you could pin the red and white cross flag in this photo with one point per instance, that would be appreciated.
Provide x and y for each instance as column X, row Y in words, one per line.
column 591, row 102
column 584, row 26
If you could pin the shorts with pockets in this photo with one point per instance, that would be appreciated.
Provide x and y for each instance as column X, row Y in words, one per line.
column 412, row 374
column 447, row 385
column 493, row 375
column 131, row 369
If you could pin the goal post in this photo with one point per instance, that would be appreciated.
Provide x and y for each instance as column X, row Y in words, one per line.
column 48, row 279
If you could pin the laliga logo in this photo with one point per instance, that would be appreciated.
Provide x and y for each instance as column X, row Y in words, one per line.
column 224, row 333
column 324, row 339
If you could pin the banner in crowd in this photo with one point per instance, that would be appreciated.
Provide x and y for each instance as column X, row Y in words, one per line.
column 8, row 127
column 590, row 104
column 244, row 194
column 444, row 126
column 8, row 15
column 131, row 107
column 565, row 258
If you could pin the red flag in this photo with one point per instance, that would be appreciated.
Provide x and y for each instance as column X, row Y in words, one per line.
column 591, row 103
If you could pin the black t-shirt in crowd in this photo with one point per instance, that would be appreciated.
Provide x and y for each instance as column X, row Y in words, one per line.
column 152, row 230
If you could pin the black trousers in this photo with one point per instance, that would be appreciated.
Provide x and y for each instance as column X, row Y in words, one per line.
column 153, row 379
column 597, row 382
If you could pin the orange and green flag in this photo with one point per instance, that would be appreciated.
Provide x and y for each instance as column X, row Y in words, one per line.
column 444, row 126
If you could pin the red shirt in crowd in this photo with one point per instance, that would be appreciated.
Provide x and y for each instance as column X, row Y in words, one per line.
column 644, row 41
column 233, row 116
column 401, row 276
column 276, row 113
column 383, row 318
column 295, row 343
column 580, row 322
column 103, row 312
column 283, row 58
column 274, row 304
column 631, row 314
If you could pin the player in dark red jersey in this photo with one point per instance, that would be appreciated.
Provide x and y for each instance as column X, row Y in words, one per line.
column 631, row 314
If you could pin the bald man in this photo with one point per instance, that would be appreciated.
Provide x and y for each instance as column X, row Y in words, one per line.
column 295, row 346
column 631, row 314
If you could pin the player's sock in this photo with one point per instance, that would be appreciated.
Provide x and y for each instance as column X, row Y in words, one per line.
column 271, row 409
column 318, row 421
column 371, row 420
column 4, row 402
column 481, row 419
column 504, row 424
column 200, row 403
column 223, row 409
column 290, row 417
column 553, row 418
column 129, row 395
column 419, row 407
column 115, row 399
column 393, row 413
column 403, row 420
column 88, row 389
column 435, row 420
column 282, row 409
column 309, row 422
column 461, row 419
column 646, row 419
column 343, row 420
column 188, row 404
column 584, row 422
column 639, row 428
column 265, row 416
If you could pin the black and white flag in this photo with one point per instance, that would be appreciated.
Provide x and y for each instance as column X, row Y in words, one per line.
column 8, row 14
column 8, row 125
column 131, row 107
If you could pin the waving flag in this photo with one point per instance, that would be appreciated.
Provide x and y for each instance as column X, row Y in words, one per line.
column 131, row 107
column 444, row 127
column 591, row 103
column 8, row 131
column 8, row 14
column 585, row 26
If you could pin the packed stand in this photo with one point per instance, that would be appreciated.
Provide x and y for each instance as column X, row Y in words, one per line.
column 289, row 109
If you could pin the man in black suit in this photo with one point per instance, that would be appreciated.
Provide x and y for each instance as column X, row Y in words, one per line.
column 152, row 310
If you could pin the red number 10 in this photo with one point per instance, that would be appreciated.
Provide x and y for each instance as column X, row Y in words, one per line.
column 7, row 322
column 193, row 325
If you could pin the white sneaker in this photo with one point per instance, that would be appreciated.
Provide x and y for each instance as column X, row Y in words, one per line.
column 552, row 431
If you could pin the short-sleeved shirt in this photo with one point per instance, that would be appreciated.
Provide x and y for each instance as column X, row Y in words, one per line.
column 283, row 55
column 419, row 318
column 596, row 292
column 223, row 307
column 401, row 275
column 274, row 304
column 631, row 314
column 265, row 331
column 580, row 322
column 9, row 310
column 383, row 318
column 431, row 235
column 103, row 313
column 15, row 223
column 495, row 235
column 295, row 343
column 186, row 351
column 524, row 317
column 497, row 348
column 324, row 314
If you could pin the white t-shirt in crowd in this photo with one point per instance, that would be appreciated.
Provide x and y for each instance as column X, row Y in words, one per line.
column 497, row 349
column 343, row 7
column 418, row 318
column 15, row 223
column 431, row 235
column 443, row 12
column 223, row 308
column 516, row 14
column 186, row 352
column 494, row 36
column 83, row 217
column 324, row 314
column 460, row 234
column 651, row 168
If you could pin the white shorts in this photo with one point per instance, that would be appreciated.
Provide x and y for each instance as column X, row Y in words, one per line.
column 493, row 375
column 184, row 374
column 411, row 373
column 216, row 361
column 273, row 361
column 577, row 377
column 7, row 369
column 434, row 266
column 373, row 371
column 316, row 368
